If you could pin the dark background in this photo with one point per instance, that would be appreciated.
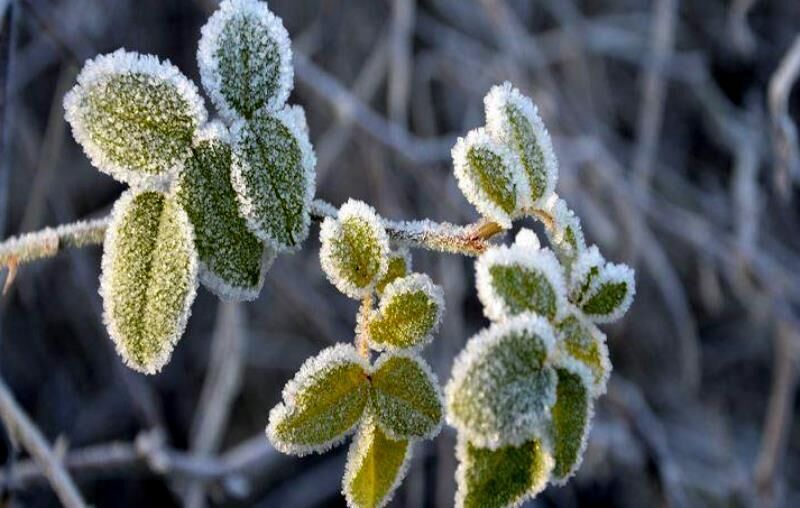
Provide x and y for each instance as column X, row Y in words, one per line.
column 668, row 137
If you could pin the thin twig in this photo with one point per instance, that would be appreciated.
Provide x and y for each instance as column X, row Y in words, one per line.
column 784, row 131
column 20, row 428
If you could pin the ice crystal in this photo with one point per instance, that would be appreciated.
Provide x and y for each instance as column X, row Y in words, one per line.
column 512, row 119
column 354, row 250
column 149, row 277
column 245, row 59
column 134, row 116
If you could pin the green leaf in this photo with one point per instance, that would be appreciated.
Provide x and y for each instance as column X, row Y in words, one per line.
column 273, row 175
column 507, row 476
column 322, row 404
column 490, row 177
column 245, row 59
column 134, row 116
column 376, row 464
column 233, row 261
column 564, row 231
column 517, row 279
column 512, row 119
column 354, row 249
column 582, row 341
column 149, row 278
column 410, row 312
column 571, row 419
column 609, row 294
column 501, row 387
column 406, row 397
column 398, row 266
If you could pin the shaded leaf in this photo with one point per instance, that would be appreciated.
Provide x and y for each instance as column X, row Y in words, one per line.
column 512, row 119
column 354, row 249
column 233, row 261
column 507, row 476
column 571, row 419
column 273, row 176
column 406, row 397
column 322, row 404
column 410, row 312
column 501, row 387
column 134, row 116
column 149, row 278
column 397, row 266
column 245, row 59
column 490, row 176
column 376, row 464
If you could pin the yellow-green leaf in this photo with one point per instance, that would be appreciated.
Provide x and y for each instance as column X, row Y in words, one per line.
column 354, row 249
column 502, row 387
column 134, row 116
column 581, row 340
column 398, row 266
column 233, row 261
column 503, row 477
column 405, row 397
column 376, row 464
column 409, row 314
column 149, row 277
column 322, row 404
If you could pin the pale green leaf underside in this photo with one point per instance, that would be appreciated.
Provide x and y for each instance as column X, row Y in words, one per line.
column 357, row 251
column 570, row 422
column 226, row 247
column 492, row 177
column 524, row 290
column 249, row 65
column 374, row 468
column 271, row 181
column 505, row 390
column 579, row 342
column 325, row 409
column 149, row 278
column 396, row 268
column 406, row 399
column 405, row 321
column 606, row 299
column 502, row 477
column 138, row 122
column 530, row 154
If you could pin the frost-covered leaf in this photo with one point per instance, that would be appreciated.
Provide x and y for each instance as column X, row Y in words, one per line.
column 585, row 269
column 610, row 293
column 134, row 116
column 406, row 397
column 517, row 279
column 512, row 119
column 499, row 478
column 565, row 233
column 581, row 340
column 490, row 176
column 501, row 387
column 397, row 266
column 245, row 59
column 376, row 464
column 233, row 261
column 273, row 175
column 409, row 314
column 354, row 249
column 322, row 404
column 571, row 418
column 149, row 277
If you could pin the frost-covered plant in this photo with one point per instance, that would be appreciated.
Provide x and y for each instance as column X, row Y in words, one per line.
column 215, row 202
column 211, row 201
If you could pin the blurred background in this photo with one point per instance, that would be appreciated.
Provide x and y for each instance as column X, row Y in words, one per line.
column 675, row 126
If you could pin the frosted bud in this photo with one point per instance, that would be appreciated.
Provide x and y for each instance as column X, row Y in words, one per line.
column 490, row 176
column 565, row 233
column 273, row 175
column 149, row 278
column 502, row 387
column 245, row 59
column 512, row 119
column 354, row 249
column 134, row 116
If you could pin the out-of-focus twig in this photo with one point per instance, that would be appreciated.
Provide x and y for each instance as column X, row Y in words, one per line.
column 400, row 60
column 22, row 430
column 784, row 131
column 50, row 241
